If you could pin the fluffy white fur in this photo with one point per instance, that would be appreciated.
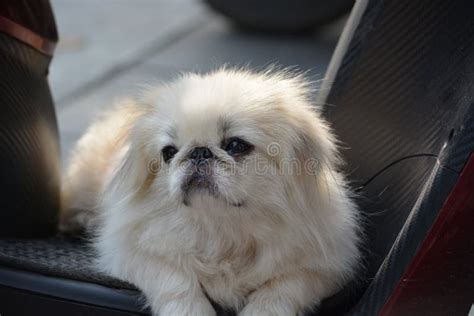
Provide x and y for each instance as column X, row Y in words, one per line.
column 280, row 234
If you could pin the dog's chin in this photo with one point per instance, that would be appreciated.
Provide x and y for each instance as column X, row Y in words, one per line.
column 206, row 197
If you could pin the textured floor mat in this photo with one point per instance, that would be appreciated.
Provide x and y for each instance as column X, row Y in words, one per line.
column 58, row 256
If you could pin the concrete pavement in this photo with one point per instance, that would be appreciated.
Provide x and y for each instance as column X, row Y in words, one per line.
column 108, row 49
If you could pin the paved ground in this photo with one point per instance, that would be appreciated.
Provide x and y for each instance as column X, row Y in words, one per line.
column 108, row 48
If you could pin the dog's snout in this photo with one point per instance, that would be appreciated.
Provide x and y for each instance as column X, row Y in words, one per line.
column 201, row 153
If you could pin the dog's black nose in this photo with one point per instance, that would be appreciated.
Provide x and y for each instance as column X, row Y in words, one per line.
column 200, row 153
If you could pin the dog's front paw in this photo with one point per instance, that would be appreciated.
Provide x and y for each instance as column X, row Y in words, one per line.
column 268, row 309
column 187, row 308
column 268, row 303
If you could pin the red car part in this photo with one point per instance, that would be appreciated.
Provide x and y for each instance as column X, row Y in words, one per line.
column 440, row 280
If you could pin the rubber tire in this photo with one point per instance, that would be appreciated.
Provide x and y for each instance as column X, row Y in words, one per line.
column 281, row 16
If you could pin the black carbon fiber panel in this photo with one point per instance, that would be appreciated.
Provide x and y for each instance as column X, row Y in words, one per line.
column 403, row 97
column 29, row 155
column 395, row 93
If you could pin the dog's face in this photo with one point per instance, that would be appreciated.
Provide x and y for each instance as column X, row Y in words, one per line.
column 231, row 139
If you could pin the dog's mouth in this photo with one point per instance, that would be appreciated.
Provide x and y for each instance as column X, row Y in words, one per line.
column 202, row 182
column 199, row 182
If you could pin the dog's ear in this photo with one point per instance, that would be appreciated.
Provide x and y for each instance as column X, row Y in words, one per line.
column 316, row 151
column 316, row 145
column 136, row 170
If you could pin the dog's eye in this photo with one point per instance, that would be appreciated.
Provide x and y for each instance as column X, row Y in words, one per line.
column 169, row 152
column 237, row 146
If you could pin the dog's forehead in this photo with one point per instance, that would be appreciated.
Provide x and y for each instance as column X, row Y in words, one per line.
column 185, row 121
column 202, row 111
column 199, row 126
column 205, row 109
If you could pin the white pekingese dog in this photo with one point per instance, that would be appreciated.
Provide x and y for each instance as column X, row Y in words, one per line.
column 223, row 186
